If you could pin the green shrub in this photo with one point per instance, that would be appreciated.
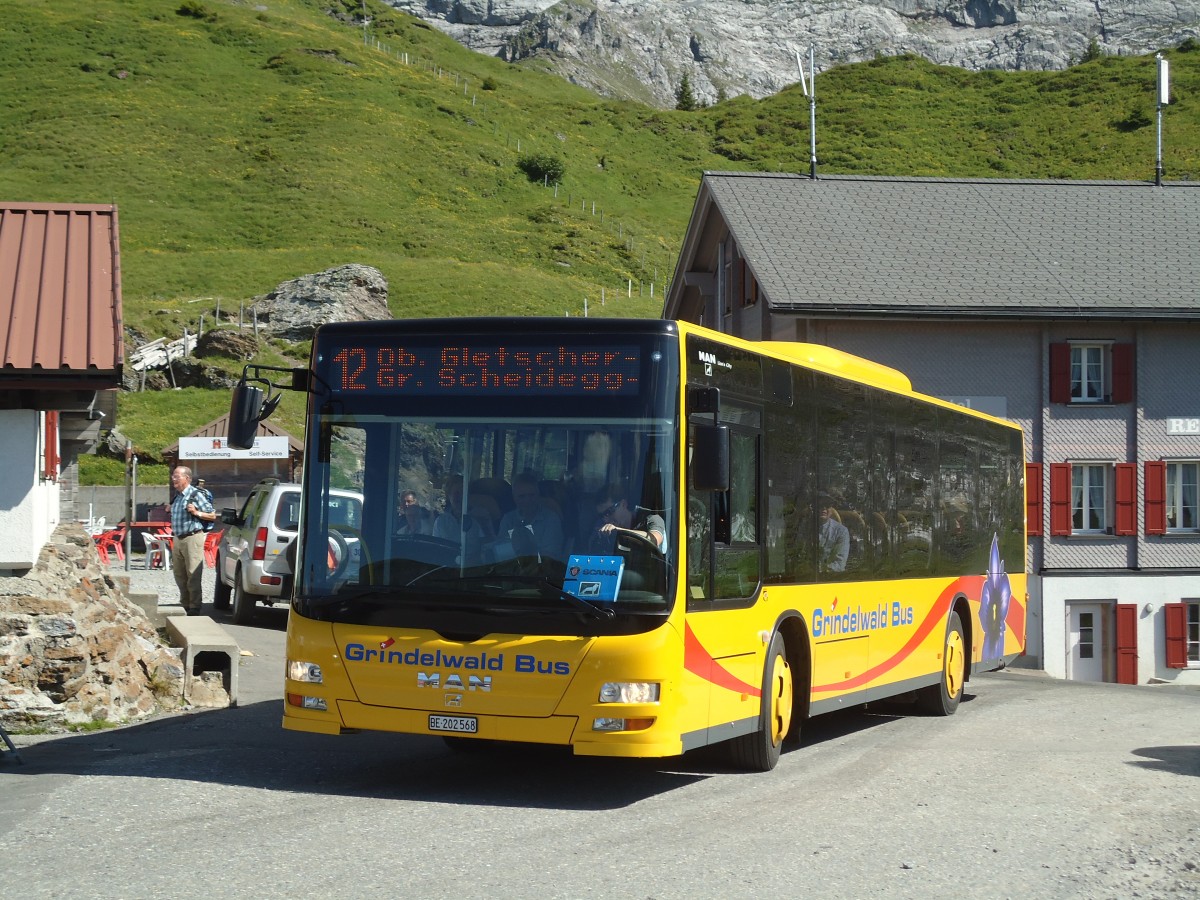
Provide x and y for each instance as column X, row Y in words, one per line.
column 194, row 9
column 543, row 167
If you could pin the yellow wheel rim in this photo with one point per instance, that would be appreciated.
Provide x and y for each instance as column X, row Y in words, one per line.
column 781, row 699
column 955, row 663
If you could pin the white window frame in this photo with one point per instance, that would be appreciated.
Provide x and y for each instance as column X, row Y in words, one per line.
column 1183, row 496
column 1086, row 479
column 1191, row 635
column 1088, row 386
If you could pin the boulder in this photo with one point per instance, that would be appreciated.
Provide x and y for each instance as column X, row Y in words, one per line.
column 347, row 293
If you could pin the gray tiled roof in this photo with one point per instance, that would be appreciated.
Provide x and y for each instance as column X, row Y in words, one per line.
column 936, row 247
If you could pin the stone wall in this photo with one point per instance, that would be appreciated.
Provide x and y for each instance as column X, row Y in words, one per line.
column 73, row 648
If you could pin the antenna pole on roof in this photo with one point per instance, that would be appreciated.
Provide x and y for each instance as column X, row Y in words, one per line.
column 809, row 85
column 1164, row 97
column 812, row 114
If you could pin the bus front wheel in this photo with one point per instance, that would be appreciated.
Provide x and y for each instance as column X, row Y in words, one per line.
column 759, row 751
column 942, row 699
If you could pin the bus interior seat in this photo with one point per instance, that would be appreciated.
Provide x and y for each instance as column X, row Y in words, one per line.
column 498, row 489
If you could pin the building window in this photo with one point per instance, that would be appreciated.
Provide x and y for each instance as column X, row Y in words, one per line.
column 1183, row 634
column 1091, row 372
column 1182, row 499
column 749, row 287
column 1087, row 373
column 1093, row 498
column 1089, row 498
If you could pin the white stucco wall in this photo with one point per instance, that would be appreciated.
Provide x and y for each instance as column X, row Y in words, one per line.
column 29, row 507
column 1142, row 590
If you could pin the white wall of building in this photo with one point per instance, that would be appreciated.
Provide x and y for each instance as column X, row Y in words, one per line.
column 1147, row 591
column 29, row 506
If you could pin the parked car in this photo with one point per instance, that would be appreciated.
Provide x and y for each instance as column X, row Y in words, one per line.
column 253, row 565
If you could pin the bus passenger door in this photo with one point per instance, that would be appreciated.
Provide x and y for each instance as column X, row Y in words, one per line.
column 724, row 558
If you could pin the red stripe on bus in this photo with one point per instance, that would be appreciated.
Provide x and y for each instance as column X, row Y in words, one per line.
column 937, row 615
column 1016, row 618
column 699, row 662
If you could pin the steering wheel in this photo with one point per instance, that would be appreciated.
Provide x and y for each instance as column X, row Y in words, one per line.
column 642, row 538
column 340, row 552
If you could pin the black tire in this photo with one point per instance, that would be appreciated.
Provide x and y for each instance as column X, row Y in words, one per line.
column 221, row 590
column 759, row 751
column 243, row 603
column 942, row 699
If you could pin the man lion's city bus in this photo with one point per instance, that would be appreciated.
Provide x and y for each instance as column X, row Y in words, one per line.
column 827, row 537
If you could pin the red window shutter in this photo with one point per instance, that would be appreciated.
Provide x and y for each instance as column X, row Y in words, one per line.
column 1060, row 373
column 1156, row 497
column 1034, row 510
column 50, row 452
column 1176, row 617
column 1060, row 498
column 1122, row 373
column 1126, row 498
column 1127, row 643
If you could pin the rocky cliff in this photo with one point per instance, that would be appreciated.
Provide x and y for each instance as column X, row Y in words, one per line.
column 640, row 49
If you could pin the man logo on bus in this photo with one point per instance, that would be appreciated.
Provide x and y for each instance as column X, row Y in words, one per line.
column 994, row 603
column 574, row 571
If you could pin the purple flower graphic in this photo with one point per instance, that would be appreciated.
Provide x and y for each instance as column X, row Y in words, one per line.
column 993, row 604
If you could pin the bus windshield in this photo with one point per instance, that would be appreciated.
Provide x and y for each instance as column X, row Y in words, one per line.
column 486, row 512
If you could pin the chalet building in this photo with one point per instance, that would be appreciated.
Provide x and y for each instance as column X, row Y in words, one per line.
column 1071, row 308
column 61, row 354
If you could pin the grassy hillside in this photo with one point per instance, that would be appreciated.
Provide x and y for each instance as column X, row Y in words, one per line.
column 246, row 145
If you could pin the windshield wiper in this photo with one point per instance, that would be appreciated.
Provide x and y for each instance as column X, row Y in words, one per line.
column 593, row 609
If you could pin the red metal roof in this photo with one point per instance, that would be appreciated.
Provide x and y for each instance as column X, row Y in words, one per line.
column 60, row 296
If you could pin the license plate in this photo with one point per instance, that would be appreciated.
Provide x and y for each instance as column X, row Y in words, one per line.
column 460, row 724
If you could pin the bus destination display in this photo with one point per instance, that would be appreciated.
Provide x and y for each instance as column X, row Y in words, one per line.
column 551, row 370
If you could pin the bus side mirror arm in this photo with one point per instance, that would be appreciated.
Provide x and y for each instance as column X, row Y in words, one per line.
column 252, row 404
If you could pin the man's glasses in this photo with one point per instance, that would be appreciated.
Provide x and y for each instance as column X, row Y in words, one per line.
column 612, row 509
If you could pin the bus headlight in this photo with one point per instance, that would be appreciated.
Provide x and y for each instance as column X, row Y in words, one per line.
column 608, row 724
column 304, row 671
column 629, row 692
column 308, row 702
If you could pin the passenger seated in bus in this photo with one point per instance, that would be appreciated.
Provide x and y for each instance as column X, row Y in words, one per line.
column 467, row 531
column 530, row 528
column 833, row 538
column 615, row 518
column 412, row 518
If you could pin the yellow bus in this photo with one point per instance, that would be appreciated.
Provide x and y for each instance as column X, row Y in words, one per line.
column 635, row 537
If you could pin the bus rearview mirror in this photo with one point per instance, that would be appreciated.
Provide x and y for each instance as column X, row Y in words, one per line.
column 245, row 412
column 710, row 457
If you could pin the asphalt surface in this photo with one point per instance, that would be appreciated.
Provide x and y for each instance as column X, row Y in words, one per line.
column 1036, row 788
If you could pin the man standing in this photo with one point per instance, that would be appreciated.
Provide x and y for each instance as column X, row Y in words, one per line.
column 191, row 510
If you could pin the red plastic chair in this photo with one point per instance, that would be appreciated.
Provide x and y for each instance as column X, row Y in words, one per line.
column 210, row 547
column 111, row 542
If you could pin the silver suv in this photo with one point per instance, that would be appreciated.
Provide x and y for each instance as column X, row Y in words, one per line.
column 252, row 561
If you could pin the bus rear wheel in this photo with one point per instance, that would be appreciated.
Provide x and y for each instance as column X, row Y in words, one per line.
column 942, row 699
column 759, row 751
